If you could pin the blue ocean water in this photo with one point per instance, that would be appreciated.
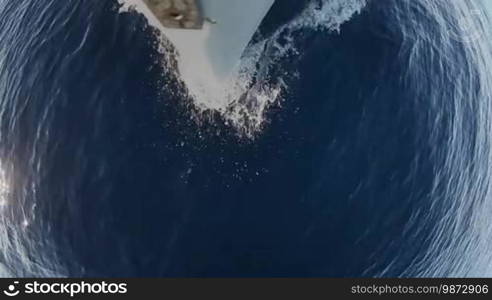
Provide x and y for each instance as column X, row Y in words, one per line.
column 376, row 161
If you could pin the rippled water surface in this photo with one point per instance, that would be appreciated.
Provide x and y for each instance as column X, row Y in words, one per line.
column 354, row 141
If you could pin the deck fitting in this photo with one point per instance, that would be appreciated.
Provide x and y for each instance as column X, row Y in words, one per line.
column 180, row 14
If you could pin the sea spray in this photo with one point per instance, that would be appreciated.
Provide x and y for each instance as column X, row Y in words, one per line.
column 244, row 97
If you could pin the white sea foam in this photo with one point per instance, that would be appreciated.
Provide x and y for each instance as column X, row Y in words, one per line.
column 244, row 96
